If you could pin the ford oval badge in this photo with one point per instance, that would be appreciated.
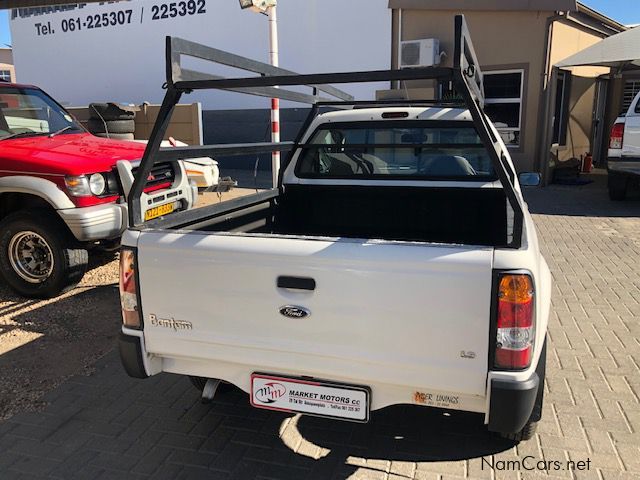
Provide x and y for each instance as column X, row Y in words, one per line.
column 291, row 311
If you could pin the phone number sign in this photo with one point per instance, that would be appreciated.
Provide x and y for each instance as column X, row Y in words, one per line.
column 75, row 19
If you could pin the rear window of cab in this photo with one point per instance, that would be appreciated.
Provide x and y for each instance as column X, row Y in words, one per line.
column 449, row 150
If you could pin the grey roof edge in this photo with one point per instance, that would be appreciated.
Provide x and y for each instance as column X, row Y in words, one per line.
column 513, row 5
column 614, row 24
column 615, row 51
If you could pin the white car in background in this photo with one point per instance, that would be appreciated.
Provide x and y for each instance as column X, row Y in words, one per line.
column 623, row 162
column 204, row 171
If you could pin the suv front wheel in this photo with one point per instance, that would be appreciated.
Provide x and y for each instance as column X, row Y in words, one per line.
column 38, row 256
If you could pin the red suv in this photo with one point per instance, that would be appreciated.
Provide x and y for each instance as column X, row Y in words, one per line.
column 62, row 191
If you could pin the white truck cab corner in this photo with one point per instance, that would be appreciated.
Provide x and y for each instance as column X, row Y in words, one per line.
column 623, row 161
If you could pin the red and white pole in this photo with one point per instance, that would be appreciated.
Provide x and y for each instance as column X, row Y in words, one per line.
column 275, row 102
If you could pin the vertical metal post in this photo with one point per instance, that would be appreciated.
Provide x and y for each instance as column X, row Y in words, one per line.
column 275, row 102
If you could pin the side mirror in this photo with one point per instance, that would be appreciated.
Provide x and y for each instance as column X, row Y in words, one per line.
column 529, row 179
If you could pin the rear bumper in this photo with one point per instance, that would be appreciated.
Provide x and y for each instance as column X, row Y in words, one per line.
column 136, row 363
column 102, row 222
column 624, row 166
column 512, row 404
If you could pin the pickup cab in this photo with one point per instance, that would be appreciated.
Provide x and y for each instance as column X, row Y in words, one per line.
column 394, row 263
column 63, row 192
column 623, row 162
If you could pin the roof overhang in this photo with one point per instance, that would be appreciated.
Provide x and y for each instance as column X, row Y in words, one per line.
column 506, row 5
column 618, row 51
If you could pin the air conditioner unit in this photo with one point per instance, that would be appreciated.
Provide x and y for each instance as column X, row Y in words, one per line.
column 420, row 53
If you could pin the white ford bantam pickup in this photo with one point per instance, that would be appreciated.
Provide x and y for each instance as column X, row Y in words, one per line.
column 395, row 263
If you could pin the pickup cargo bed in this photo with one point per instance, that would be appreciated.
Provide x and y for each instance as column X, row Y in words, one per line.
column 469, row 216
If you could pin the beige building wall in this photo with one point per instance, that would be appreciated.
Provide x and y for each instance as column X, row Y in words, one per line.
column 569, row 39
column 507, row 40
column 6, row 62
column 503, row 40
column 566, row 41
column 185, row 125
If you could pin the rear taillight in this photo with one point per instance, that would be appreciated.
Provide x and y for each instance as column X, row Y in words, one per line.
column 129, row 289
column 617, row 136
column 515, row 322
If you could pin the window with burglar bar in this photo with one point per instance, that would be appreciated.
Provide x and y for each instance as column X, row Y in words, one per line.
column 631, row 90
column 504, row 91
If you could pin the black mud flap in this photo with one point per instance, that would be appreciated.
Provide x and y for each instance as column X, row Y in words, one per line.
column 131, row 356
column 512, row 404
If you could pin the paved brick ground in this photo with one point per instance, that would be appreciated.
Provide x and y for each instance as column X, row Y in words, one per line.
column 109, row 426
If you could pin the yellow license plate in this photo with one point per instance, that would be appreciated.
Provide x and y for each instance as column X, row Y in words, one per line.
column 158, row 211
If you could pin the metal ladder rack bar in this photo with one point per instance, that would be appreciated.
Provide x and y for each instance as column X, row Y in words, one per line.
column 466, row 77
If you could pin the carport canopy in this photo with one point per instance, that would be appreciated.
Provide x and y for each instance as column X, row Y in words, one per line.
column 617, row 51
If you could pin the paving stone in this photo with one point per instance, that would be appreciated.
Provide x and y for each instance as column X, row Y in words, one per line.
column 114, row 461
column 72, row 464
column 36, row 466
column 7, row 459
column 177, row 440
column 167, row 472
column 245, row 469
column 154, row 460
column 194, row 459
column 229, row 457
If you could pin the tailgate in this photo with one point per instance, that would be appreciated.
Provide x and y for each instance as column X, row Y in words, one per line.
column 403, row 314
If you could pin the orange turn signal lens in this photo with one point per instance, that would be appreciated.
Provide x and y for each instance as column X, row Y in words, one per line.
column 515, row 289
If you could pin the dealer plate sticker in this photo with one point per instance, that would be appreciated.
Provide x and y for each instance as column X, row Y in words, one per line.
column 314, row 398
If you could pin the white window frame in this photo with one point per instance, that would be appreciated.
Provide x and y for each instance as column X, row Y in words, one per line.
column 6, row 77
column 633, row 85
column 500, row 101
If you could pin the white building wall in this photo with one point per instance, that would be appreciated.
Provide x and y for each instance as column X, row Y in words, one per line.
column 125, row 62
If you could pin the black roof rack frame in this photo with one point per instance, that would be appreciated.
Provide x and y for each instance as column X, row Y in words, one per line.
column 466, row 77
